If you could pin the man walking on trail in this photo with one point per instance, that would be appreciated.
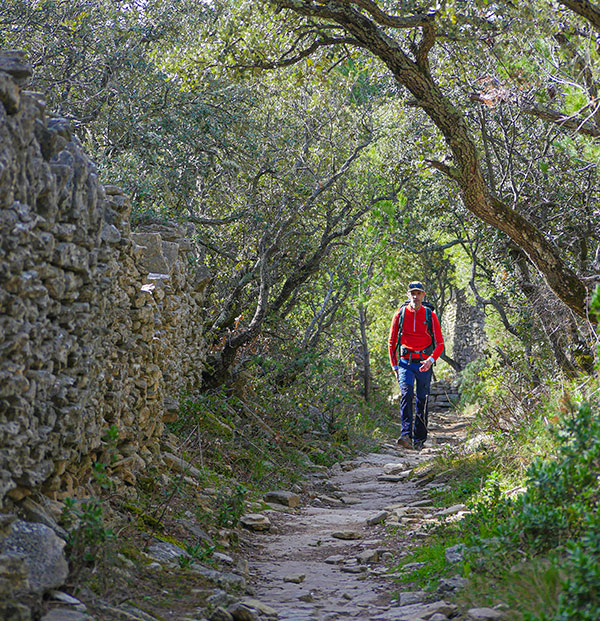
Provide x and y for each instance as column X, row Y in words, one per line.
column 415, row 343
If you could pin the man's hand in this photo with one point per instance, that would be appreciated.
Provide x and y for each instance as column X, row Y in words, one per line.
column 426, row 365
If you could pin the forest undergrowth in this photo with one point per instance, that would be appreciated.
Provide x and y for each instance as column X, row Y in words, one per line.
column 530, row 477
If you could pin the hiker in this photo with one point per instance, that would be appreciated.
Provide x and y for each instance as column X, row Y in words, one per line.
column 415, row 343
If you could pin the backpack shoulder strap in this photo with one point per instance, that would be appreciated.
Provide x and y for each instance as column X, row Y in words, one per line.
column 400, row 326
column 429, row 320
column 401, row 319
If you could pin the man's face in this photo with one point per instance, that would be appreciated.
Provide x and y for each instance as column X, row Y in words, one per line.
column 416, row 298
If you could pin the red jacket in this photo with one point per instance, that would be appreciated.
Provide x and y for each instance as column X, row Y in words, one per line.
column 415, row 335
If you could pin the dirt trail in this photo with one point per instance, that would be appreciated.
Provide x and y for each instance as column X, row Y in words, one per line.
column 340, row 580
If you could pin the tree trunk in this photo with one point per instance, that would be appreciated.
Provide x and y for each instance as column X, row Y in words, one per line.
column 362, row 320
column 466, row 169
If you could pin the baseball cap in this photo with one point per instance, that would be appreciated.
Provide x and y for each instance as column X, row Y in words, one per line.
column 416, row 285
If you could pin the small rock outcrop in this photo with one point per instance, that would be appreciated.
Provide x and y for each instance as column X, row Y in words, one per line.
column 42, row 552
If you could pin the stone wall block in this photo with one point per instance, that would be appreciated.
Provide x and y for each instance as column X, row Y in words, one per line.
column 99, row 326
column 10, row 93
column 43, row 552
column 153, row 259
column 14, row 62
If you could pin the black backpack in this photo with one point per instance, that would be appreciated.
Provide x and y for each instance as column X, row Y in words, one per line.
column 429, row 308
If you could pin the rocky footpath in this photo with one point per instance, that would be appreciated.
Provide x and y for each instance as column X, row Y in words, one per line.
column 327, row 549
column 334, row 557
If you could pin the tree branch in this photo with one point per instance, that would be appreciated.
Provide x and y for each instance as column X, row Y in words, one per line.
column 585, row 9
column 393, row 21
column 449, row 171
column 305, row 53
column 576, row 124
column 215, row 221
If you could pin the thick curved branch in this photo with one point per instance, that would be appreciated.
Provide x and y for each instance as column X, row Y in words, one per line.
column 393, row 21
column 428, row 249
column 449, row 171
column 302, row 54
column 427, row 42
column 585, row 9
column 571, row 122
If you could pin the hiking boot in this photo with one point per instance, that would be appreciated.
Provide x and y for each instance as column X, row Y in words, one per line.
column 405, row 442
column 418, row 445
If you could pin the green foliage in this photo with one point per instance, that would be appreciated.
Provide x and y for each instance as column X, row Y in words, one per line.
column 431, row 560
column 197, row 553
column 504, row 396
column 554, row 518
column 230, row 507
column 100, row 469
column 88, row 534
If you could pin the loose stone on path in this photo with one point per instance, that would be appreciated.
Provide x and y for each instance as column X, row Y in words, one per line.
column 378, row 518
column 288, row 499
column 255, row 521
column 347, row 534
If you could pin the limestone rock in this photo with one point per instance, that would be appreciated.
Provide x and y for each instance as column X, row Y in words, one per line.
column 153, row 259
column 451, row 510
column 6, row 520
column 43, row 552
column 221, row 598
column 10, row 93
column 14, row 62
column 252, row 610
column 165, row 551
column 347, row 534
column 40, row 512
column 484, row 614
column 415, row 612
column 353, row 569
column 295, row 578
column 180, row 465
column 263, row 609
column 396, row 468
column 65, row 598
column 255, row 521
column 452, row 584
column 223, row 579
column 411, row 597
column 289, row 499
column 14, row 611
column 220, row 614
column 456, row 553
column 391, row 478
column 368, row 556
column 13, row 575
column 378, row 518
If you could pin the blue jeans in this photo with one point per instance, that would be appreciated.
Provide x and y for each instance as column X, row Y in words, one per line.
column 408, row 373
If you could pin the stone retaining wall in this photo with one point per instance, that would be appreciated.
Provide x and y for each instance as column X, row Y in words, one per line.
column 99, row 327
column 463, row 327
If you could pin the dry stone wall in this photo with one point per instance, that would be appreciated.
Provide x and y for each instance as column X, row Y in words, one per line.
column 464, row 329
column 99, row 326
